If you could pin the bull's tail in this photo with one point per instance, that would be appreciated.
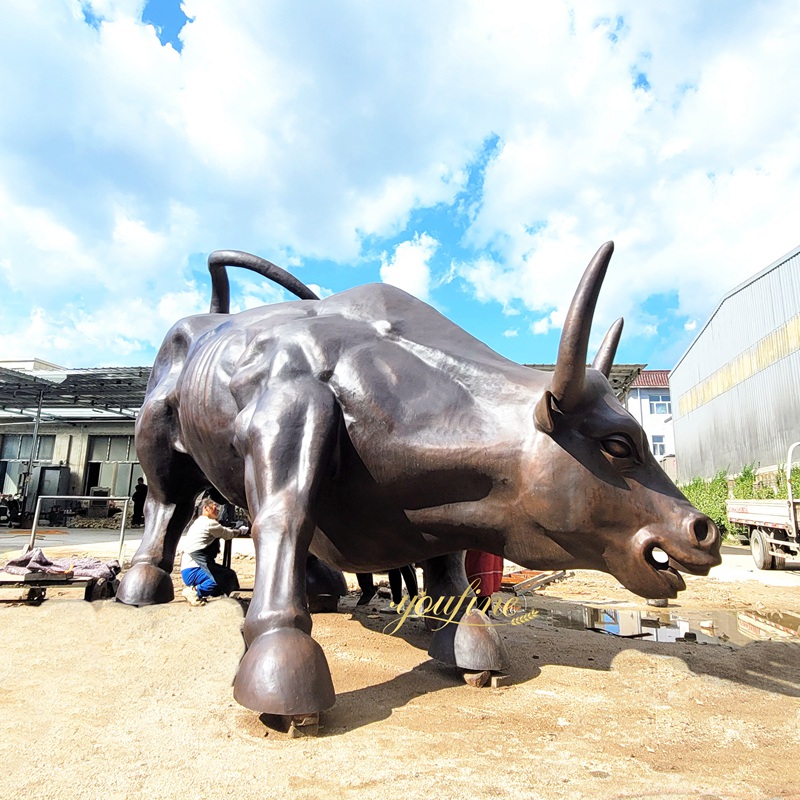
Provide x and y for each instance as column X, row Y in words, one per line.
column 219, row 260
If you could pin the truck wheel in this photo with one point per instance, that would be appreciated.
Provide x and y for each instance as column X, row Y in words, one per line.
column 760, row 550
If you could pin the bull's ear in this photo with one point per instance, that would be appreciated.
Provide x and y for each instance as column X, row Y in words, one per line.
column 604, row 359
column 543, row 413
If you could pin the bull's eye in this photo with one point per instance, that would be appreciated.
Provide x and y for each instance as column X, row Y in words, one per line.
column 617, row 446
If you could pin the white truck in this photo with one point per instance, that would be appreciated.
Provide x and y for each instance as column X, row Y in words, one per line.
column 772, row 524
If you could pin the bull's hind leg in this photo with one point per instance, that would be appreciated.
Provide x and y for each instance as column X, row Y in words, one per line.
column 469, row 641
column 174, row 480
column 287, row 447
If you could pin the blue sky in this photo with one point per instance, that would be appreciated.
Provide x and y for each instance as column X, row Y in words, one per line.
column 473, row 153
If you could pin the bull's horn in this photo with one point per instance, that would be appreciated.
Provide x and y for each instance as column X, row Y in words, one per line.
column 604, row 359
column 568, row 378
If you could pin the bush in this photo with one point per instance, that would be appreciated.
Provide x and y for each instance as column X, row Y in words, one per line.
column 709, row 497
column 745, row 486
column 782, row 490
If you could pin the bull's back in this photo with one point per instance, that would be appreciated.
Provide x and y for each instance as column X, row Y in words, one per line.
column 408, row 381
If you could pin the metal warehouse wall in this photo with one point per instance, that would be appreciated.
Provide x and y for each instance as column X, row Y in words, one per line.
column 736, row 391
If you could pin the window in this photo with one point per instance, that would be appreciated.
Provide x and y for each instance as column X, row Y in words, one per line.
column 17, row 447
column 660, row 404
column 15, row 451
column 10, row 448
column 112, row 464
column 47, row 445
column 658, row 446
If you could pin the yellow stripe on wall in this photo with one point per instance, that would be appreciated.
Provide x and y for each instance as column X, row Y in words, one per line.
column 773, row 347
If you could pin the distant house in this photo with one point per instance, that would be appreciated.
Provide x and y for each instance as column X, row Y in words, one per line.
column 650, row 402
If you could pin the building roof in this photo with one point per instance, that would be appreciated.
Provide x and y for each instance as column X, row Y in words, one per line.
column 28, row 364
column 774, row 265
column 654, row 378
column 116, row 393
column 104, row 393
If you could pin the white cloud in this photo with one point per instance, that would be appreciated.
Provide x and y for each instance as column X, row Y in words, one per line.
column 511, row 333
column 553, row 321
column 409, row 267
column 697, row 187
column 122, row 332
column 320, row 291
column 121, row 158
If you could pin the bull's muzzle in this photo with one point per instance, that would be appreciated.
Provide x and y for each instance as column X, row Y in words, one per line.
column 651, row 567
column 695, row 550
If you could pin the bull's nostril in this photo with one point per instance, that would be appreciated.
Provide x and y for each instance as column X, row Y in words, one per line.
column 701, row 529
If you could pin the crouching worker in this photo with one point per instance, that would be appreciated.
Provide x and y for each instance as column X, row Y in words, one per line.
column 202, row 575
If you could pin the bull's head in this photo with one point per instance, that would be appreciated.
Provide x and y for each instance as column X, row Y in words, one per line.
column 598, row 494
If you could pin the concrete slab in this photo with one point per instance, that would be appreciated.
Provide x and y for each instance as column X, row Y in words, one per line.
column 737, row 565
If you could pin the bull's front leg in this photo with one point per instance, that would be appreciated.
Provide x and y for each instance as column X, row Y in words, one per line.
column 469, row 641
column 287, row 444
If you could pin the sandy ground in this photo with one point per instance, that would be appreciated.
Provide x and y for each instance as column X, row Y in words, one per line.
column 99, row 699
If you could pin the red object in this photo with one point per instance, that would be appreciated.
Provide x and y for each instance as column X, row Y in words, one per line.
column 486, row 568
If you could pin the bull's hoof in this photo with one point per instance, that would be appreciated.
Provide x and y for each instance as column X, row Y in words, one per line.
column 322, row 579
column 284, row 671
column 471, row 643
column 145, row 585
column 323, row 604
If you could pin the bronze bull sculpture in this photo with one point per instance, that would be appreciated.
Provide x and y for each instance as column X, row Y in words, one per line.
column 371, row 431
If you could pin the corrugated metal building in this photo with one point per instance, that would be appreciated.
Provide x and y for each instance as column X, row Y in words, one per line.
column 736, row 390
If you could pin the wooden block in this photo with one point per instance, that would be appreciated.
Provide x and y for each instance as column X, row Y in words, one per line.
column 477, row 679
column 304, row 725
column 49, row 577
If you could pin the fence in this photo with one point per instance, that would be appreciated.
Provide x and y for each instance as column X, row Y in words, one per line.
column 123, row 523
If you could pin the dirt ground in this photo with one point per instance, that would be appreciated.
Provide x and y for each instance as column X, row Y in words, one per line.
column 99, row 699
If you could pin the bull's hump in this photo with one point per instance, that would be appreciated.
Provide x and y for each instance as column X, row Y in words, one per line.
column 395, row 314
column 381, row 303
